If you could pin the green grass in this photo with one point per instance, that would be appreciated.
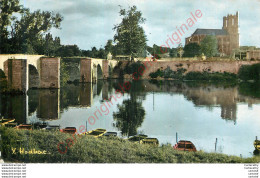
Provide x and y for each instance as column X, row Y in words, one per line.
column 99, row 150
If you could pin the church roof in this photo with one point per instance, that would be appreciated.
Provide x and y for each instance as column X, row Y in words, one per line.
column 215, row 32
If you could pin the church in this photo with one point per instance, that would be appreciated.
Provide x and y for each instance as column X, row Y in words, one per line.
column 228, row 36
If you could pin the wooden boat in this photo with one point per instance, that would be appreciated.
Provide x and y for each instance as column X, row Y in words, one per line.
column 24, row 127
column 137, row 138
column 70, row 130
column 184, row 145
column 6, row 121
column 52, row 128
column 96, row 132
column 13, row 124
column 114, row 134
column 150, row 141
column 40, row 126
column 257, row 144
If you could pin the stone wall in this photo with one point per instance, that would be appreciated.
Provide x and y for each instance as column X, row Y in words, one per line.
column 49, row 73
column 16, row 73
column 197, row 66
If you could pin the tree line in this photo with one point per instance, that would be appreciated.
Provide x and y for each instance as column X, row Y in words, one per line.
column 27, row 32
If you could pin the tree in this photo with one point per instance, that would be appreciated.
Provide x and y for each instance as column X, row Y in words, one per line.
column 130, row 35
column 109, row 46
column 22, row 31
column 7, row 8
column 180, row 50
column 191, row 50
column 209, row 46
column 173, row 52
column 68, row 51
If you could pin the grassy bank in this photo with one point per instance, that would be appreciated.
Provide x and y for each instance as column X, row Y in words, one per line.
column 101, row 150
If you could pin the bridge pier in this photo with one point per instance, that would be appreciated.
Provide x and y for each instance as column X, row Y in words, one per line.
column 16, row 74
column 49, row 73
column 105, row 69
column 86, row 70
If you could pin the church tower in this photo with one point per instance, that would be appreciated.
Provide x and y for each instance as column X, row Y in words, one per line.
column 231, row 25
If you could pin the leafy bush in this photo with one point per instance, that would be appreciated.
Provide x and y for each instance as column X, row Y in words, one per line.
column 134, row 67
column 249, row 72
column 168, row 73
column 156, row 74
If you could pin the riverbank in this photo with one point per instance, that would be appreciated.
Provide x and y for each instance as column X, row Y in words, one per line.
column 43, row 147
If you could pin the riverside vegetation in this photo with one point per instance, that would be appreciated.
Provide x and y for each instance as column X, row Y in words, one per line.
column 99, row 150
column 246, row 73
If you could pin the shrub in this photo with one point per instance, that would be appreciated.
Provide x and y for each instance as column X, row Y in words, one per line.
column 249, row 72
column 134, row 67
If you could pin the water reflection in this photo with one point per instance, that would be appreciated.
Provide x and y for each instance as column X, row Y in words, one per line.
column 49, row 105
column 130, row 116
column 157, row 108
column 14, row 107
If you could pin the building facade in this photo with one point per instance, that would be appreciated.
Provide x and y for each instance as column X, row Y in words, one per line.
column 228, row 36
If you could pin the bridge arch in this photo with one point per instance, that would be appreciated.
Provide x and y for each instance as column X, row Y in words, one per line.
column 110, row 71
column 99, row 72
column 2, row 74
column 94, row 73
column 34, row 80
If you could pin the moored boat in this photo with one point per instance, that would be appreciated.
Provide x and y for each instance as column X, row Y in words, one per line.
column 184, row 145
column 24, row 127
column 6, row 121
column 52, row 128
column 257, row 144
column 95, row 133
column 110, row 134
column 70, row 130
column 13, row 124
column 137, row 138
column 150, row 141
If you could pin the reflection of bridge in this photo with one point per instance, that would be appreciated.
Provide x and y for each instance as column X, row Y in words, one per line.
column 35, row 71
column 49, row 104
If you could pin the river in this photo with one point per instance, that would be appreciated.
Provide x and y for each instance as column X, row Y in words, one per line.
column 199, row 112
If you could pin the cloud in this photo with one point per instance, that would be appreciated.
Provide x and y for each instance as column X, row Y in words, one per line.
column 89, row 23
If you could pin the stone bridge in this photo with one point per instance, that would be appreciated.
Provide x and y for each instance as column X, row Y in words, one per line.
column 36, row 71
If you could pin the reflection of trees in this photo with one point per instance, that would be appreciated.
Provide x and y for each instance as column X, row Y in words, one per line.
column 129, row 117
column 249, row 89
column 131, row 113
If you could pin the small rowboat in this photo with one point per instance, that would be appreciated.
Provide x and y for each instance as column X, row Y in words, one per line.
column 137, row 138
column 114, row 134
column 96, row 132
column 70, row 130
column 257, row 144
column 184, row 145
column 6, row 121
column 13, row 124
column 24, row 127
column 52, row 128
column 150, row 141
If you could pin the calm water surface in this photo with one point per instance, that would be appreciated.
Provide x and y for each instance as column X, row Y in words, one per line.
column 197, row 112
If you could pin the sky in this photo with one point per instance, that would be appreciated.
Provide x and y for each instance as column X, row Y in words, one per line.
column 89, row 23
